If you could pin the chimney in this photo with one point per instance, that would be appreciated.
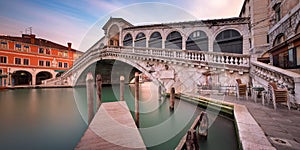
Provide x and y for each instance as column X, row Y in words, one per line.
column 69, row 46
column 32, row 38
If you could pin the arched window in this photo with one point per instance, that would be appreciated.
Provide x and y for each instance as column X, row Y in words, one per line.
column 140, row 40
column 174, row 40
column 229, row 41
column 155, row 40
column 279, row 39
column 197, row 40
column 127, row 40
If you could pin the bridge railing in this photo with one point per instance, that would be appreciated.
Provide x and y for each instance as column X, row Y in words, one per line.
column 264, row 73
column 186, row 55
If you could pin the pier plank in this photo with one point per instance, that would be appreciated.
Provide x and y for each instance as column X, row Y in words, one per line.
column 112, row 128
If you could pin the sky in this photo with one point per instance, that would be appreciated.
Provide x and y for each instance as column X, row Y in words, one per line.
column 63, row 21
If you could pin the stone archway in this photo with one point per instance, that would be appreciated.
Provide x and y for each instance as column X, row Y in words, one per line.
column 113, row 35
column 21, row 77
column 43, row 75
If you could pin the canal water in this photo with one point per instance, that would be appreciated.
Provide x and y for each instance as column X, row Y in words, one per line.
column 56, row 119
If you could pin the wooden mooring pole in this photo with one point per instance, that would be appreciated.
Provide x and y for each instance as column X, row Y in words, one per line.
column 191, row 140
column 203, row 125
column 159, row 92
column 122, row 88
column 136, row 99
column 99, row 90
column 172, row 97
column 90, row 96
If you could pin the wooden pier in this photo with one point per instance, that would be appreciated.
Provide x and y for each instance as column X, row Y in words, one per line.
column 112, row 128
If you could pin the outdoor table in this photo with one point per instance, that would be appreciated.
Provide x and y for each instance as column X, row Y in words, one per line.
column 256, row 91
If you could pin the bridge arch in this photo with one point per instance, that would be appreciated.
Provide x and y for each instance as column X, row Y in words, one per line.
column 127, row 61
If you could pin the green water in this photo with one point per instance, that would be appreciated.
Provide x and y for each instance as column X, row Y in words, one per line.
column 55, row 119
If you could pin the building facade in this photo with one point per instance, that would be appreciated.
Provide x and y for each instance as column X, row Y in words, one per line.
column 28, row 60
column 274, row 27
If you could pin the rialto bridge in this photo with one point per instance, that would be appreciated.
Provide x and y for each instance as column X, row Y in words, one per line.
column 184, row 55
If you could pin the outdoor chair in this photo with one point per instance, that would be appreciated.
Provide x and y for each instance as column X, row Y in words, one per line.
column 278, row 95
column 241, row 89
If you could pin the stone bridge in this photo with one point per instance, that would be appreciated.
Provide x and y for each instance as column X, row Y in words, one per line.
column 185, row 70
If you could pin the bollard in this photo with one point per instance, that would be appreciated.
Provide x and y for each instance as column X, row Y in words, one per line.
column 136, row 99
column 203, row 125
column 172, row 97
column 122, row 88
column 191, row 142
column 90, row 96
column 99, row 90
column 159, row 92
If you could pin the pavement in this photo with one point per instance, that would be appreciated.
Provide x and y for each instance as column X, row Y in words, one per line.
column 281, row 126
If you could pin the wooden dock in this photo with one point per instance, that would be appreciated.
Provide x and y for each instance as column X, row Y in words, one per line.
column 112, row 128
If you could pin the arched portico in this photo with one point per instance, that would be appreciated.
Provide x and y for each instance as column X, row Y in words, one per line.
column 21, row 77
column 43, row 75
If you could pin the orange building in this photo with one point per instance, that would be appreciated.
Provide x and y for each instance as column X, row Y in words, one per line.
column 28, row 60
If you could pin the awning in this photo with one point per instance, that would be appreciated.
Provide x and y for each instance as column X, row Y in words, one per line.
column 61, row 71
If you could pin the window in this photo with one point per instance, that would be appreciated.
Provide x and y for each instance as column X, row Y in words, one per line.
column 41, row 63
column 60, row 64
column 4, row 44
column 65, row 54
column 0, row 71
column 3, row 59
column 127, row 40
column 18, row 47
column 277, row 12
column 229, row 41
column 48, row 51
column 197, row 40
column 25, row 61
column 65, row 65
column 279, row 39
column 286, row 59
column 41, row 50
column 26, row 48
column 174, row 40
column 48, row 63
column 60, row 54
column 140, row 40
column 155, row 40
column 18, row 61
